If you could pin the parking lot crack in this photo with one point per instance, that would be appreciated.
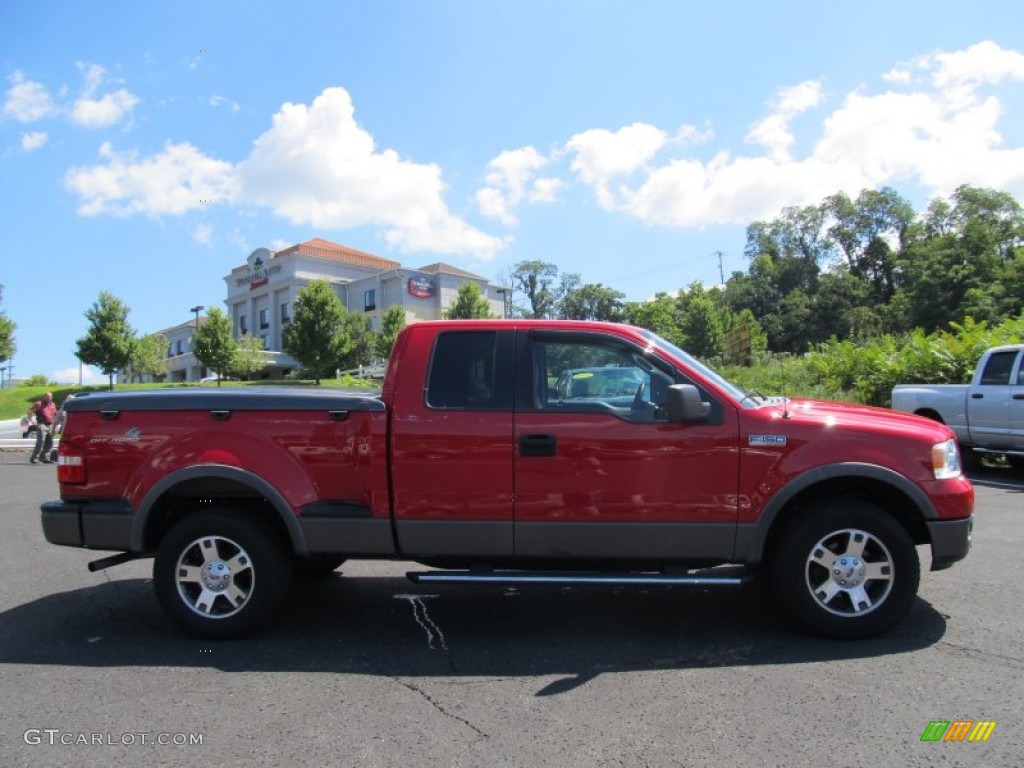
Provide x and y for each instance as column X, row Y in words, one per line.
column 429, row 626
column 437, row 705
column 980, row 654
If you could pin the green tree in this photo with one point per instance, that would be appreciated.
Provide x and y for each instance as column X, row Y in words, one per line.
column 703, row 327
column 391, row 323
column 538, row 281
column 7, row 345
column 593, row 302
column 360, row 340
column 866, row 230
column 660, row 315
column 109, row 343
column 213, row 345
column 469, row 304
column 248, row 356
column 315, row 336
column 150, row 356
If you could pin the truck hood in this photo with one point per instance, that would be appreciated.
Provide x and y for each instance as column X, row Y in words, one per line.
column 861, row 418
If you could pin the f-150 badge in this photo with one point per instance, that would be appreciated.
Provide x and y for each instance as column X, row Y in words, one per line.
column 767, row 439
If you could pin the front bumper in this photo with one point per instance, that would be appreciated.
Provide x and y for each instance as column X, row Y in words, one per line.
column 951, row 541
column 91, row 524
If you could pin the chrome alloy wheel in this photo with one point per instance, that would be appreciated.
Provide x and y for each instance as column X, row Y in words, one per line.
column 849, row 572
column 214, row 577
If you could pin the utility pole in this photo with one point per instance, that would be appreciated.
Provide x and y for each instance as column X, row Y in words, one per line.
column 721, row 272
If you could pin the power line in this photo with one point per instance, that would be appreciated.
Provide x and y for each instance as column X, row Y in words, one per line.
column 674, row 264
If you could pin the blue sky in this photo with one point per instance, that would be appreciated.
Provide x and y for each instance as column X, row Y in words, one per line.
column 147, row 148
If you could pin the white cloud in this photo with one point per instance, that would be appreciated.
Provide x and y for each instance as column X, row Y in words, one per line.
column 511, row 180
column 315, row 166
column 937, row 126
column 984, row 62
column 203, row 234
column 92, row 111
column 26, row 101
column 773, row 132
column 221, row 101
column 178, row 179
column 33, row 140
column 600, row 156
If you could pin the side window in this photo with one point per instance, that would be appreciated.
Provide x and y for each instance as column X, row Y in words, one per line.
column 998, row 368
column 462, row 371
column 600, row 377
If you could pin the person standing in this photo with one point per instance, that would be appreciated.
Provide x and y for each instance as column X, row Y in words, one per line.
column 45, row 411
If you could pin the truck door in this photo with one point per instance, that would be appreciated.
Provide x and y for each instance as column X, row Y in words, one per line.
column 600, row 473
column 1017, row 406
column 451, row 446
column 990, row 399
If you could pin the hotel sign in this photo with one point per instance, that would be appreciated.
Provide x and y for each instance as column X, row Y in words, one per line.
column 422, row 287
column 259, row 272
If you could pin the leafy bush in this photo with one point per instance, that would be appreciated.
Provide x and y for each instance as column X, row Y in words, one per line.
column 869, row 371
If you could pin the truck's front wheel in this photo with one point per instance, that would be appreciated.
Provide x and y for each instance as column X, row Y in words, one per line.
column 221, row 575
column 845, row 569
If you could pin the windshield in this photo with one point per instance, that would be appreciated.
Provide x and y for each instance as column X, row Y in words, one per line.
column 744, row 398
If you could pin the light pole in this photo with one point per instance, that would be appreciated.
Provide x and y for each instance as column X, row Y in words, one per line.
column 197, row 309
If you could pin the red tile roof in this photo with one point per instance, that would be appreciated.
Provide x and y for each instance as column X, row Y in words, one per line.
column 325, row 249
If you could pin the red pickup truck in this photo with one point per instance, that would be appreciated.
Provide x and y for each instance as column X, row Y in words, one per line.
column 514, row 451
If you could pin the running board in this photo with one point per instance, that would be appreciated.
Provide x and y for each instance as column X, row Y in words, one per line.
column 572, row 577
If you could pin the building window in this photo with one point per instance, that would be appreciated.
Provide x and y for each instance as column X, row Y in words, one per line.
column 264, row 319
column 263, row 338
column 179, row 347
column 243, row 324
column 370, row 300
column 285, row 317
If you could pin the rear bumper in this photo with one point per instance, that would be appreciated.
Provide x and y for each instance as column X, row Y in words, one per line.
column 951, row 541
column 90, row 524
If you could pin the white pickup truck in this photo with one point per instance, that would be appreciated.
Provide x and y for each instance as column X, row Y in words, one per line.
column 987, row 414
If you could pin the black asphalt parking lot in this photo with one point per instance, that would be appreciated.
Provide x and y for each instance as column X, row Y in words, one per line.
column 368, row 669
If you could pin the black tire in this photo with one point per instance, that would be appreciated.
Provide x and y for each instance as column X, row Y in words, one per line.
column 316, row 568
column 845, row 569
column 221, row 575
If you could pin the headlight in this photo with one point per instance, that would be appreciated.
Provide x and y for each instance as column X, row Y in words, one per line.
column 946, row 460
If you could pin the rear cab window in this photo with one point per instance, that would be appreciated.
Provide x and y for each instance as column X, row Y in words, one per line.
column 470, row 370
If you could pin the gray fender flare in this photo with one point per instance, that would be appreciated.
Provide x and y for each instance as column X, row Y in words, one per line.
column 751, row 539
column 226, row 472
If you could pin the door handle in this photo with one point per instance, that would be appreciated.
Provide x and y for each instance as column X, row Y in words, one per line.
column 538, row 445
column 1018, row 397
column 977, row 396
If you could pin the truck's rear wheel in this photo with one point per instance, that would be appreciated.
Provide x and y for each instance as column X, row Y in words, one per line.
column 220, row 575
column 845, row 569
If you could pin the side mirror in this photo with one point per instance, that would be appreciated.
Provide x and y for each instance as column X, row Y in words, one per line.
column 685, row 406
